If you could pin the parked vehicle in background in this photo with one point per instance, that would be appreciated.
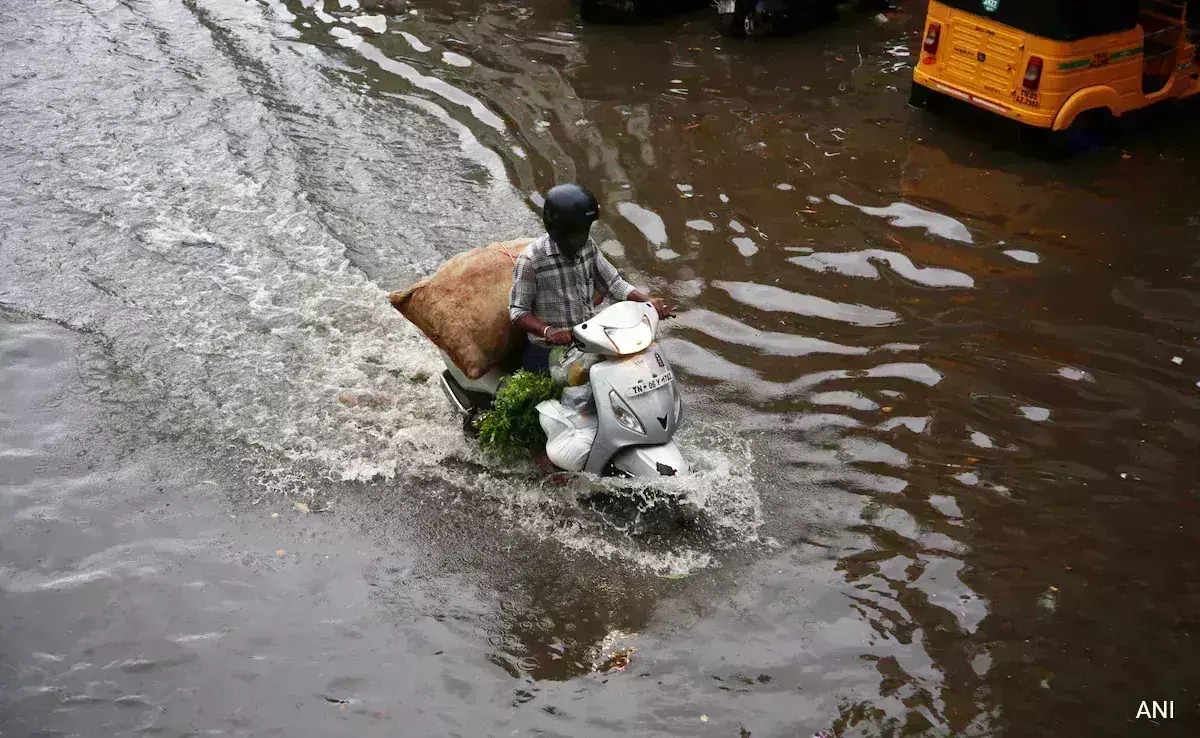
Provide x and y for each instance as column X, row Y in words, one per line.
column 628, row 11
column 753, row 18
column 1055, row 64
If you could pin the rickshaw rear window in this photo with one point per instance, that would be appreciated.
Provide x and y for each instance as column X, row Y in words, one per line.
column 1059, row 20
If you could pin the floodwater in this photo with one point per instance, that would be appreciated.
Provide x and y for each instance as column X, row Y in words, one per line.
column 942, row 396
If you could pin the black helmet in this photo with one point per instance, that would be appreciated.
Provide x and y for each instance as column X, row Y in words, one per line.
column 568, row 214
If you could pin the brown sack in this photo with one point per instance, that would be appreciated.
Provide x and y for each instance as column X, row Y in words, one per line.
column 463, row 306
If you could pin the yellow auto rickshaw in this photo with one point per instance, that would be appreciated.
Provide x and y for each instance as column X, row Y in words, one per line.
column 1052, row 63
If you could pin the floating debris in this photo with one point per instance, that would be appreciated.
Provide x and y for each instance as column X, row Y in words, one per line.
column 608, row 658
column 618, row 660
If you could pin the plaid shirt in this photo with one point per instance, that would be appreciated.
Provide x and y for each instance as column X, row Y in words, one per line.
column 560, row 291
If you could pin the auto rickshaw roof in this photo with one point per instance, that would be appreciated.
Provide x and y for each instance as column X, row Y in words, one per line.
column 1058, row 20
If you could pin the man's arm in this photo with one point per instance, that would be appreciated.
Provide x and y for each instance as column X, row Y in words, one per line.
column 611, row 282
column 521, row 301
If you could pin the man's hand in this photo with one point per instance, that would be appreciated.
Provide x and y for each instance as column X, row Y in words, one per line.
column 664, row 310
column 661, row 307
column 559, row 336
column 533, row 325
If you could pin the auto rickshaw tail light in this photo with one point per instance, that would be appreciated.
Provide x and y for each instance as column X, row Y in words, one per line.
column 933, row 34
column 1033, row 73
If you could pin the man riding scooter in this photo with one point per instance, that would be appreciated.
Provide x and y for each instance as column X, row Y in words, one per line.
column 557, row 276
column 621, row 405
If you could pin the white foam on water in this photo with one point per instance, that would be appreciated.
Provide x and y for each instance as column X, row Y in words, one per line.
column 456, row 60
column 1075, row 374
column 439, row 87
column 700, row 362
column 318, row 8
column 1025, row 257
column 914, row 424
column 417, row 44
column 1036, row 414
column 281, row 12
column 911, row 371
column 903, row 215
column 647, row 221
column 613, row 248
column 870, row 451
column 859, row 264
column 729, row 330
column 376, row 23
column 982, row 440
column 745, row 246
column 845, row 398
column 776, row 299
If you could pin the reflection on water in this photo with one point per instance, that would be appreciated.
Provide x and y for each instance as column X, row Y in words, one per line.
column 941, row 395
column 774, row 299
column 903, row 215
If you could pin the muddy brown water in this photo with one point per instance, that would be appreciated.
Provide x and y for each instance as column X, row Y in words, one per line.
column 942, row 394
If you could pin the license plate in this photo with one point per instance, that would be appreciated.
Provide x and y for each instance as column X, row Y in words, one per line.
column 648, row 385
column 725, row 6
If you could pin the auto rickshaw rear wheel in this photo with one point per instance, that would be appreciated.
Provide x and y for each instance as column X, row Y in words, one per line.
column 920, row 96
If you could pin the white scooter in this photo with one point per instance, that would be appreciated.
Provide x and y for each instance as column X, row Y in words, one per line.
column 637, row 401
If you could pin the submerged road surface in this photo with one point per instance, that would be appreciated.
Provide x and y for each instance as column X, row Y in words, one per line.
column 942, row 398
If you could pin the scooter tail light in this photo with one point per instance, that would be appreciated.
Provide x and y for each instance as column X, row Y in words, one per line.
column 1033, row 73
column 933, row 35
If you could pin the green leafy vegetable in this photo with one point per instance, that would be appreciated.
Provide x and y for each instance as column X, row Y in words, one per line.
column 511, row 427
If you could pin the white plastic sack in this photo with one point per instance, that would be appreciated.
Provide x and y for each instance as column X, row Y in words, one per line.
column 569, row 435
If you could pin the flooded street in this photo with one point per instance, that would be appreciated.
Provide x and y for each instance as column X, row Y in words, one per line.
column 942, row 396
